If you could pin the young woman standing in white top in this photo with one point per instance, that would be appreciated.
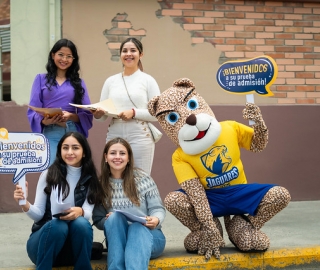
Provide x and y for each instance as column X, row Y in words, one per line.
column 130, row 92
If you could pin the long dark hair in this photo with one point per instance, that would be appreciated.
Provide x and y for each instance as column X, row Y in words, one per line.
column 72, row 73
column 57, row 172
column 139, row 46
column 129, row 185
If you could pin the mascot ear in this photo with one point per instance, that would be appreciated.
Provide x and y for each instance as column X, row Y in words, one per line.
column 184, row 82
column 152, row 105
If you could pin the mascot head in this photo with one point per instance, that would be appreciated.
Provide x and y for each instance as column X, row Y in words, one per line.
column 185, row 117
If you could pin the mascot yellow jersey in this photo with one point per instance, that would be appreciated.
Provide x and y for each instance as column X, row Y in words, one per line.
column 220, row 165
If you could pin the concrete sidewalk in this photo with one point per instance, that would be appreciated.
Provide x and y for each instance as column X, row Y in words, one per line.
column 294, row 234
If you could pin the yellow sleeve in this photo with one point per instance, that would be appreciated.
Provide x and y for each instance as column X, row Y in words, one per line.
column 245, row 135
column 182, row 169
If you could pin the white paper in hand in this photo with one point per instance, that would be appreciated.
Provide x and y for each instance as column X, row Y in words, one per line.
column 131, row 217
column 57, row 206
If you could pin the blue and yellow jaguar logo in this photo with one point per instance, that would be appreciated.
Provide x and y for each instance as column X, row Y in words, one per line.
column 216, row 160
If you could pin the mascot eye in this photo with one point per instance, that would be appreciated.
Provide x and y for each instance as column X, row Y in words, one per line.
column 193, row 104
column 172, row 118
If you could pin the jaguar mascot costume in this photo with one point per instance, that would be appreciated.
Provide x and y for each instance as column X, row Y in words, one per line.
column 209, row 170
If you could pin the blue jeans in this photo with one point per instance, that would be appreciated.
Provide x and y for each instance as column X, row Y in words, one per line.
column 54, row 133
column 131, row 246
column 60, row 243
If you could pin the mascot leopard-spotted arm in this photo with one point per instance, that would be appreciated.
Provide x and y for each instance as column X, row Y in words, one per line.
column 208, row 168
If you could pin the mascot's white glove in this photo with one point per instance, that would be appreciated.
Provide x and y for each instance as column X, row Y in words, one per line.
column 210, row 239
column 261, row 132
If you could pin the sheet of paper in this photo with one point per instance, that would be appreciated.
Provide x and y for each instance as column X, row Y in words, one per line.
column 131, row 217
column 57, row 205
column 250, row 99
column 22, row 183
column 46, row 111
column 106, row 105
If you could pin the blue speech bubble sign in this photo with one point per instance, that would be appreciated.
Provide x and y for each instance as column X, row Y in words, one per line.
column 21, row 153
column 245, row 76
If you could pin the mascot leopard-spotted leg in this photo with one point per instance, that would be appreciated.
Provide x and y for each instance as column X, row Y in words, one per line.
column 193, row 211
column 210, row 172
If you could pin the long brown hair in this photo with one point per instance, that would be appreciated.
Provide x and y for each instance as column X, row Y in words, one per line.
column 129, row 185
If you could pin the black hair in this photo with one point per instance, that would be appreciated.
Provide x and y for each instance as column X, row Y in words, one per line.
column 72, row 73
column 57, row 172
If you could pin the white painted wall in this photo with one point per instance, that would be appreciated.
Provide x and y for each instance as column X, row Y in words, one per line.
column 35, row 27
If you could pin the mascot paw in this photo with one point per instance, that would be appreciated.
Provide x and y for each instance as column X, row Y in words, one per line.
column 192, row 240
column 244, row 236
column 210, row 243
column 252, row 112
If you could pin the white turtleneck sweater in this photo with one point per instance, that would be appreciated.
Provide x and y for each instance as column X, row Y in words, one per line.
column 37, row 210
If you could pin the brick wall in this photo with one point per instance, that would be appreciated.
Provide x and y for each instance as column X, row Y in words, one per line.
column 289, row 32
column 4, row 11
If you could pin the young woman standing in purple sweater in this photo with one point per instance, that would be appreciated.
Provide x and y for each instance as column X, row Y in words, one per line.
column 57, row 88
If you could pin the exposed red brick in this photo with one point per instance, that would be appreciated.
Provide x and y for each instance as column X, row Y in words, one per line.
column 192, row 13
column 285, row 10
column 284, row 49
column 254, row 28
column 254, row 15
column 312, row 43
column 213, row 27
column 309, row 75
column 236, row 15
column 311, row 17
column 294, row 55
column 303, row 49
column 284, row 35
column 274, row 42
column 304, row 61
column 279, row 95
column 293, row 29
column 286, row 88
column 237, row 41
column 312, row 55
column 244, row 34
column 245, row 21
column 311, row 30
column 295, row 17
column 182, row 6
column 215, row 40
column 305, row 101
column 245, row 48
column 194, row 1
column 244, row 8
column 234, row 28
column 224, row 34
column 274, row 28
column 204, row 7
column 265, row 22
column 276, row 55
column 305, row 88
column 120, row 17
column 224, row 21
column 264, row 9
column 223, row 7
column 203, row 34
column 302, row 10
column 302, row 24
column 274, row 16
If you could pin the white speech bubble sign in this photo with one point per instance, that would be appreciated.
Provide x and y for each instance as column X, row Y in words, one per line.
column 21, row 153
